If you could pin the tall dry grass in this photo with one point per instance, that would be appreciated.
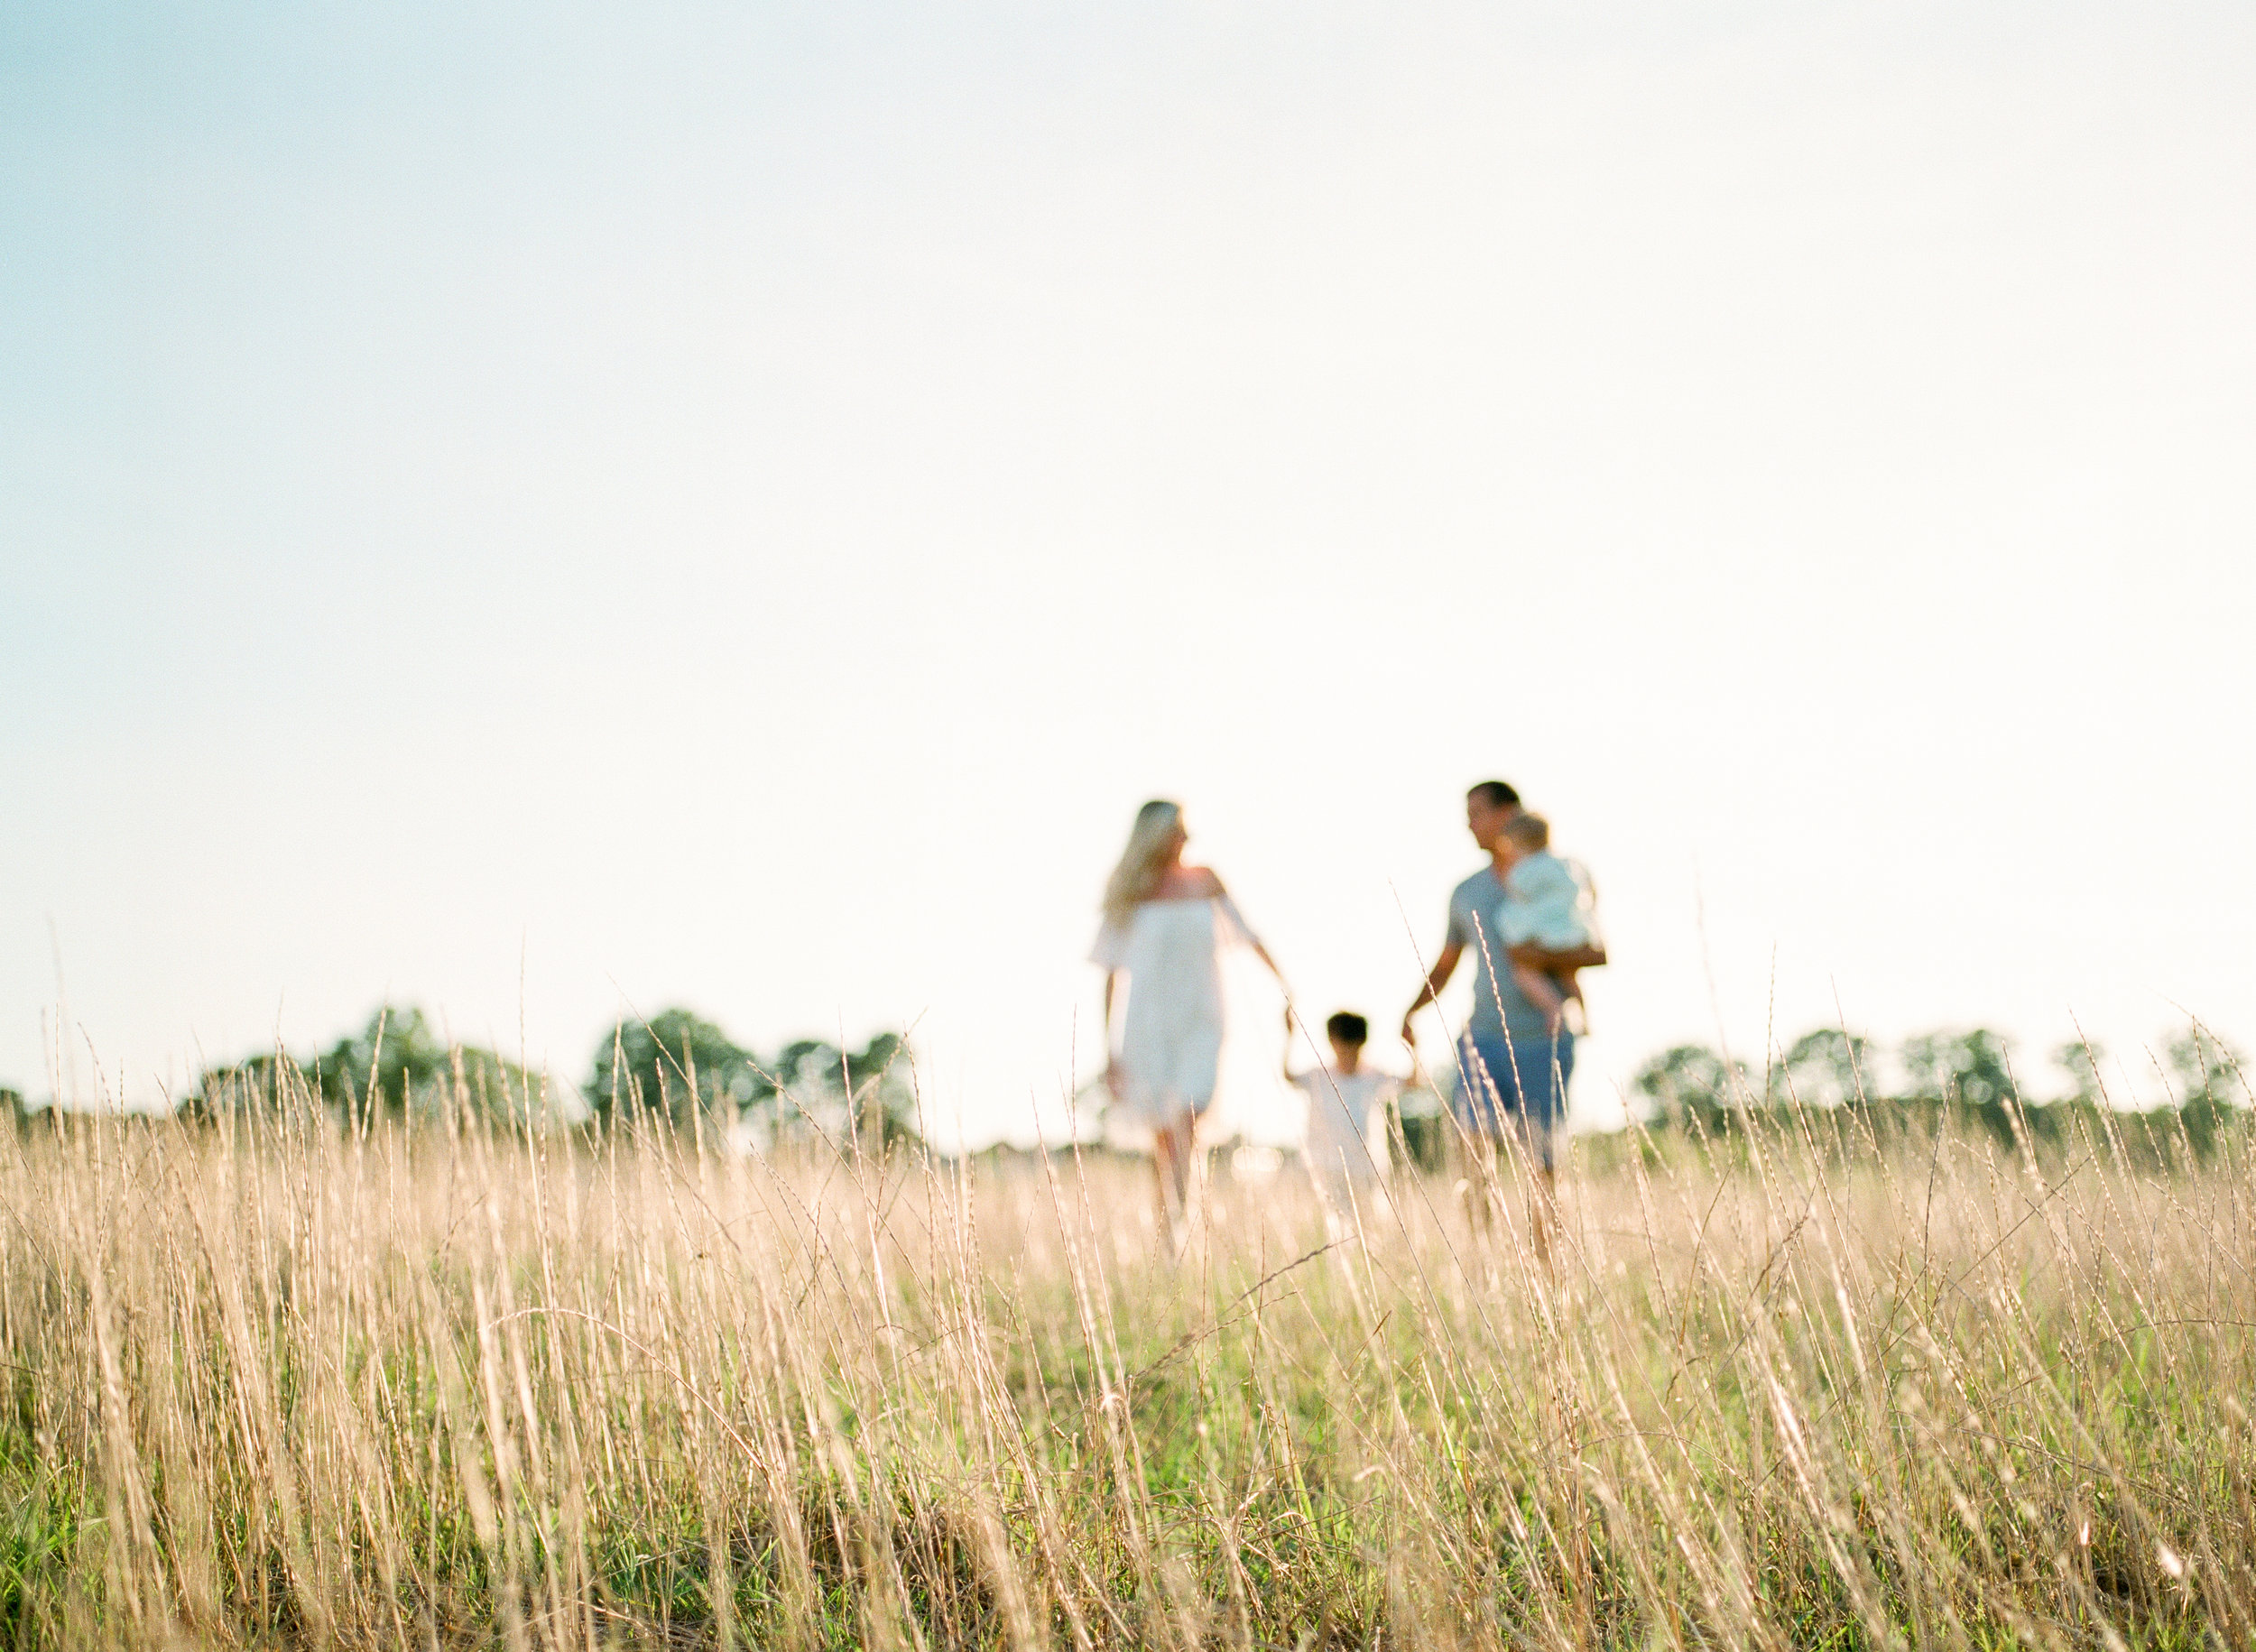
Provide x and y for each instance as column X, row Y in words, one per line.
column 274, row 1384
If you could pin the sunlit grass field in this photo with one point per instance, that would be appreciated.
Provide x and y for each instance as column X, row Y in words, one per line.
column 277, row 1384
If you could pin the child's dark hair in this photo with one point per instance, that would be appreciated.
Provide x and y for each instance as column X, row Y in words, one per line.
column 1347, row 1027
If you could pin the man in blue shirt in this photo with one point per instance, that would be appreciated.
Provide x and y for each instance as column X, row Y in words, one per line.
column 1513, row 1058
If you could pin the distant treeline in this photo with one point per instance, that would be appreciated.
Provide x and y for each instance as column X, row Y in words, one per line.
column 675, row 1070
column 679, row 1071
column 1862, row 1092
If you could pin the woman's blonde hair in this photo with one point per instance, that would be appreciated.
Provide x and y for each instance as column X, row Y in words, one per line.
column 1138, row 873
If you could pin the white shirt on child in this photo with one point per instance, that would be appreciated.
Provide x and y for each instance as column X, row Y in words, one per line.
column 1346, row 1136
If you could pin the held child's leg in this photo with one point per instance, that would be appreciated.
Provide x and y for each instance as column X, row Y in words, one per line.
column 1539, row 988
column 1569, row 985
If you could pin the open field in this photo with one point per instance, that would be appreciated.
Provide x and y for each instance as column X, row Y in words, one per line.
column 282, row 1386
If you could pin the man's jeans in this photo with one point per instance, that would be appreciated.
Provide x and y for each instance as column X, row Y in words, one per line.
column 1516, row 1084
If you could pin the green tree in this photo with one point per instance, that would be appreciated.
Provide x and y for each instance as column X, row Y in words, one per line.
column 671, row 1064
column 1826, row 1066
column 1973, row 1066
column 267, row 1083
column 1690, row 1078
column 381, row 1067
column 2081, row 1061
column 677, row 1064
column 2212, row 1082
column 869, row 1092
column 2209, row 1072
column 397, row 1067
column 394, row 1067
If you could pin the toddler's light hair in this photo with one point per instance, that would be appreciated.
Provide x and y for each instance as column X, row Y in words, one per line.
column 1528, row 831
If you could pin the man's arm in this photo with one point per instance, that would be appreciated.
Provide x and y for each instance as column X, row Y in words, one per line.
column 1546, row 960
column 1437, row 978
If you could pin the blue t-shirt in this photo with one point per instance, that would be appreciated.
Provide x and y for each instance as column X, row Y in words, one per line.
column 1498, row 1004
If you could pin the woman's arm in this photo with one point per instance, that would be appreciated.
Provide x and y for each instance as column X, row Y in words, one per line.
column 1111, row 1075
column 1291, row 1026
column 1214, row 891
column 1261, row 953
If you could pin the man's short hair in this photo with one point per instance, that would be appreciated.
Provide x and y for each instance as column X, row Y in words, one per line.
column 1495, row 794
column 1528, row 831
column 1347, row 1027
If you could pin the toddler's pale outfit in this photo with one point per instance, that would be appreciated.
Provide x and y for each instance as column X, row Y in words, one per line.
column 1549, row 902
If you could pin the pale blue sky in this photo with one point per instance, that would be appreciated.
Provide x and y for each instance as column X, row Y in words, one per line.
column 534, row 509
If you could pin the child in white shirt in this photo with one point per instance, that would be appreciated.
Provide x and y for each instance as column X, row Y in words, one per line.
column 1548, row 902
column 1346, row 1148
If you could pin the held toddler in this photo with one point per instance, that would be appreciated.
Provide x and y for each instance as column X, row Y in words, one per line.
column 1548, row 902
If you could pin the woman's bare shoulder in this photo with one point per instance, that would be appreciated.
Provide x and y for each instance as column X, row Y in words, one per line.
column 1189, row 883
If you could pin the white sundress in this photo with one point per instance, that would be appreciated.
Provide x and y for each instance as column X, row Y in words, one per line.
column 1170, row 1034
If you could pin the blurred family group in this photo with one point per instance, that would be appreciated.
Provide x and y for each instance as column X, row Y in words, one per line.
column 1527, row 921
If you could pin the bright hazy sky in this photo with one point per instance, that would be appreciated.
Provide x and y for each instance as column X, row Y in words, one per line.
column 545, row 511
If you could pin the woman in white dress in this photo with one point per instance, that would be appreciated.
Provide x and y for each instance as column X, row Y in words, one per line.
column 1165, row 924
